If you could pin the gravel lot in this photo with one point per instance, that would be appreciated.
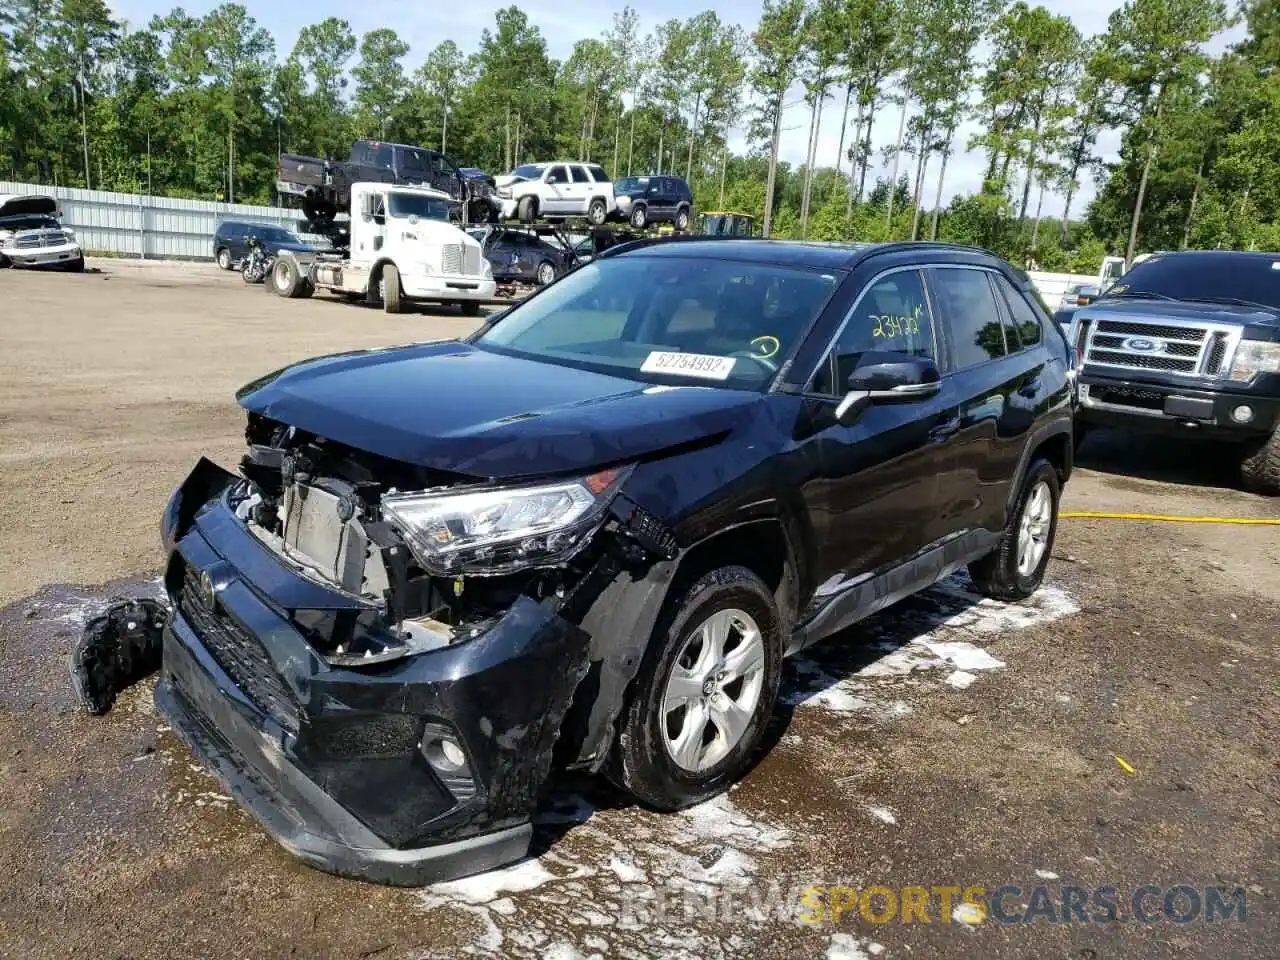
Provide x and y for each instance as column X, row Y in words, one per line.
column 948, row 742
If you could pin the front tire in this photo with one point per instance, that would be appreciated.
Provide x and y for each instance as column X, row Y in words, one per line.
column 1015, row 569
column 391, row 289
column 224, row 258
column 1260, row 466
column 639, row 217
column 527, row 209
column 287, row 281
column 469, row 308
column 75, row 266
column 545, row 273
column 703, row 694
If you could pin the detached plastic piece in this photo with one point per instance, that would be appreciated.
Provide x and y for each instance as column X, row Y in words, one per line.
column 116, row 650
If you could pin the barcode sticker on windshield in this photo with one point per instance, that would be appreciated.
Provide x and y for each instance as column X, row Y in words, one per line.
column 704, row 366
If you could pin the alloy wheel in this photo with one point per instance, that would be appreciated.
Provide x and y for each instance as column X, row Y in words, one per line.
column 1033, row 529
column 713, row 690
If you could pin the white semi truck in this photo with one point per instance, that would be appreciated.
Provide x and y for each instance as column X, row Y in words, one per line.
column 401, row 248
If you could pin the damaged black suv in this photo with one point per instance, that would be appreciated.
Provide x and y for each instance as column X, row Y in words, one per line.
column 586, row 536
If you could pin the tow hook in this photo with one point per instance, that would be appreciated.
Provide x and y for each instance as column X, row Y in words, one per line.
column 116, row 649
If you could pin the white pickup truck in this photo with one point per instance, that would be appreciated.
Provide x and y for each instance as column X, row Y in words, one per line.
column 31, row 236
column 402, row 248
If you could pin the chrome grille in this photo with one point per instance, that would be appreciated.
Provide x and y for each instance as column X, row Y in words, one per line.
column 44, row 238
column 451, row 259
column 1197, row 348
column 238, row 652
column 471, row 261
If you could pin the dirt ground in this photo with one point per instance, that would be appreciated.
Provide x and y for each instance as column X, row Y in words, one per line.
column 947, row 742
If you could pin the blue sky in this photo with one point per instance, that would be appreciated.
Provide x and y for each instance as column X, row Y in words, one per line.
column 422, row 26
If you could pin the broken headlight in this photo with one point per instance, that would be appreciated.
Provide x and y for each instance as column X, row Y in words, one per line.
column 494, row 530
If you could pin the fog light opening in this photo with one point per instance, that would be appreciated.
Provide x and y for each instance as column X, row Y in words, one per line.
column 1242, row 413
column 444, row 754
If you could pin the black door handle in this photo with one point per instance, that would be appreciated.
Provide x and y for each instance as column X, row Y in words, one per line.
column 944, row 430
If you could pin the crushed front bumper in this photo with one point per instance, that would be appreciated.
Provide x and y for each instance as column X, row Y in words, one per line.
column 332, row 761
column 53, row 256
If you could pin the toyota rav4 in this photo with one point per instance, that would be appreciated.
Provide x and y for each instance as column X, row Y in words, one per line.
column 587, row 535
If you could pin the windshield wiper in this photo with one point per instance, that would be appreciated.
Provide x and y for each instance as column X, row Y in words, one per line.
column 1235, row 301
column 1139, row 295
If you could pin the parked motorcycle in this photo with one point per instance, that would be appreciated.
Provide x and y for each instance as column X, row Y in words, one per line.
column 257, row 262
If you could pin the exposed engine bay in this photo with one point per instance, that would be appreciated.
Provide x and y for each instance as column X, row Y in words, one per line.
column 325, row 509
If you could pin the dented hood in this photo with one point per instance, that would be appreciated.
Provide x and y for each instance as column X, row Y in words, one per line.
column 452, row 406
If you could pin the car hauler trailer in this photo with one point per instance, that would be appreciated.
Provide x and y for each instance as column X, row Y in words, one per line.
column 401, row 247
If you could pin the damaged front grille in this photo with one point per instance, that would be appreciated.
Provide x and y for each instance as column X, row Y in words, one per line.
column 237, row 652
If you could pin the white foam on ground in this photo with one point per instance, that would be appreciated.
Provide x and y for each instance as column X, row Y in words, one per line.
column 845, row 946
column 1046, row 875
column 883, row 814
column 605, row 876
column 952, row 623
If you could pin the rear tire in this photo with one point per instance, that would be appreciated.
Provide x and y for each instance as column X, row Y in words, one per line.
column 223, row 256
column 596, row 213
column 643, row 758
column 682, row 219
column 527, row 209
column 1260, row 466
column 391, row 289
column 1004, row 574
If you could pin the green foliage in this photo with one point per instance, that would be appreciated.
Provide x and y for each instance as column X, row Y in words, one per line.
column 199, row 105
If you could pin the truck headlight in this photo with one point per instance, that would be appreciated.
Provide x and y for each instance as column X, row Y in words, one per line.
column 8, row 243
column 1254, row 357
column 490, row 530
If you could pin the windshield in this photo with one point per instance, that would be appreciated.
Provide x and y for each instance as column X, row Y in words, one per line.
column 725, row 225
column 277, row 235
column 416, row 205
column 528, row 171
column 630, row 183
column 1241, row 279
column 627, row 315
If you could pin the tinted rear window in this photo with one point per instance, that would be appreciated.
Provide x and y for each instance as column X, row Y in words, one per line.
column 1252, row 278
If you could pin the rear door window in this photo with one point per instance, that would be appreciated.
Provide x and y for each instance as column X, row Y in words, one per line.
column 966, row 304
column 892, row 315
column 1025, row 317
column 579, row 174
column 597, row 173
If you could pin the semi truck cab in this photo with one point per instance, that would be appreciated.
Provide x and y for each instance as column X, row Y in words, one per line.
column 402, row 247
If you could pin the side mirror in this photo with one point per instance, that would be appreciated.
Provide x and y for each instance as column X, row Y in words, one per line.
column 887, row 377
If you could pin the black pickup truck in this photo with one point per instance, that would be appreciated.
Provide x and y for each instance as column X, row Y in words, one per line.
column 1187, row 344
column 325, row 185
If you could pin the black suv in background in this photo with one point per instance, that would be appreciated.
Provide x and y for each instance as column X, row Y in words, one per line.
column 587, row 535
column 1188, row 345
column 230, row 241
column 645, row 200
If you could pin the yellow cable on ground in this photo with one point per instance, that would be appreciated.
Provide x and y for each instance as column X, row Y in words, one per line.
column 1248, row 521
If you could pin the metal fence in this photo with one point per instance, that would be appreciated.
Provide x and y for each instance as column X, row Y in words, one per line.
column 134, row 225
